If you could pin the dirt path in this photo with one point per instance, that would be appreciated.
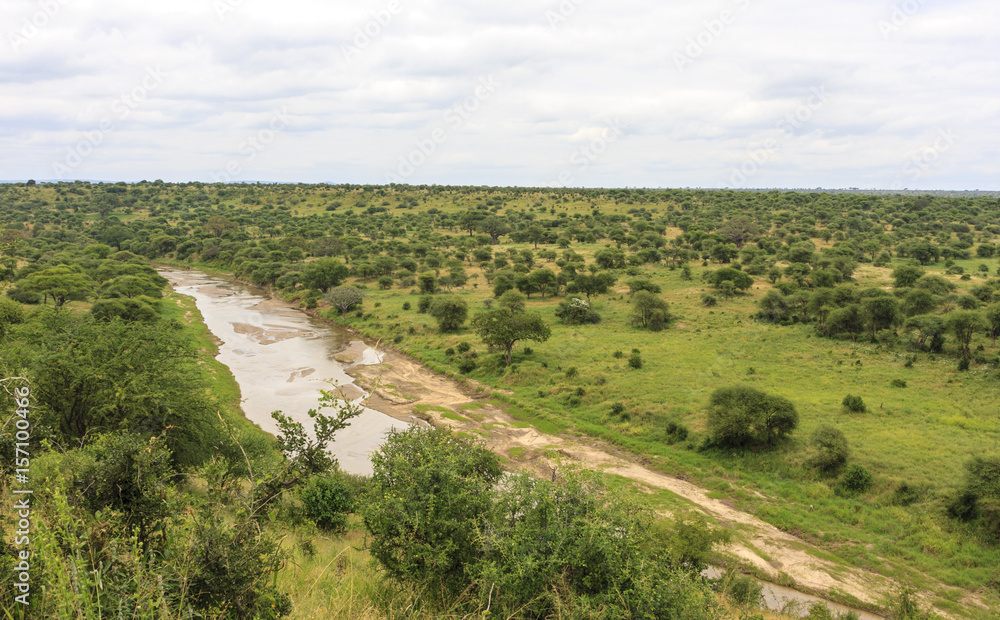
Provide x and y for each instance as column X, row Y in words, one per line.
column 404, row 389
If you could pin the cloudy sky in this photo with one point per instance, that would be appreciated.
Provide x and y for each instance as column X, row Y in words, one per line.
column 592, row 93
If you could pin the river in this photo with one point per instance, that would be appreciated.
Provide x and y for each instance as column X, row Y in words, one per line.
column 282, row 358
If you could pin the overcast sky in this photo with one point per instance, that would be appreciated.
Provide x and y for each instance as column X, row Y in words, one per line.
column 592, row 93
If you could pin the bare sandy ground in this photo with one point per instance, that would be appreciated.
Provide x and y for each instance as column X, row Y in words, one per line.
column 404, row 389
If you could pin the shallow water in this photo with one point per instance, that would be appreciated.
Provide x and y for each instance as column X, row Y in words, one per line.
column 792, row 602
column 282, row 358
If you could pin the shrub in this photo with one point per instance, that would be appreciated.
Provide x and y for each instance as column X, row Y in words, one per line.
column 576, row 311
column 617, row 355
column 854, row 404
column 744, row 417
column 406, row 305
column 832, row 449
column 430, row 496
column 856, row 479
column 742, row 589
column 466, row 366
column 676, row 432
column 24, row 297
column 708, row 300
column 963, row 364
column 463, row 347
column 898, row 383
column 649, row 311
column 572, row 372
column 635, row 361
column 449, row 351
column 424, row 304
column 327, row 502
column 450, row 313
column 617, row 409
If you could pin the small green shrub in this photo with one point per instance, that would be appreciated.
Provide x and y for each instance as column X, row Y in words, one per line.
column 327, row 502
column 963, row 364
column 572, row 372
column 617, row 355
column 856, row 479
column 854, row 404
column 898, row 383
column 406, row 305
column 676, row 432
column 635, row 361
column 617, row 409
column 424, row 304
column 463, row 347
column 466, row 366
column 832, row 449
column 743, row 590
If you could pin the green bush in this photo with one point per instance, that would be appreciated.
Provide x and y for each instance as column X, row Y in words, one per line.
column 429, row 499
column 635, row 361
column 576, row 311
column 832, row 449
column 740, row 417
column 466, row 366
column 854, row 404
column 328, row 501
column 856, row 479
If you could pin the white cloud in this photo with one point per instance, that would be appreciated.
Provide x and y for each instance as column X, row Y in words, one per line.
column 699, row 86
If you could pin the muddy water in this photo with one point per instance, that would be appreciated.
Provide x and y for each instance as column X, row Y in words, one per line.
column 282, row 358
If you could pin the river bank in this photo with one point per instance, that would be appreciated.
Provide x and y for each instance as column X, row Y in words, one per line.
column 402, row 388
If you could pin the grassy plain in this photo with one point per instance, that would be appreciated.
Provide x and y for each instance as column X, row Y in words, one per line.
column 919, row 435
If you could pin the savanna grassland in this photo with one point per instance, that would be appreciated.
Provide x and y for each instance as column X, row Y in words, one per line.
column 810, row 297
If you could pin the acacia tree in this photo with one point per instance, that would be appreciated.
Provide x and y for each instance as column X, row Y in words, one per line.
column 965, row 323
column 450, row 313
column 494, row 227
column 649, row 311
column 324, row 274
column 881, row 312
column 61, row 283
column 993, row 322
column 502, row 327
column 744, row 417
column 344, row 298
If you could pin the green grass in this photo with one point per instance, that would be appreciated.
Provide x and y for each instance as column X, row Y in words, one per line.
column 920, row 435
